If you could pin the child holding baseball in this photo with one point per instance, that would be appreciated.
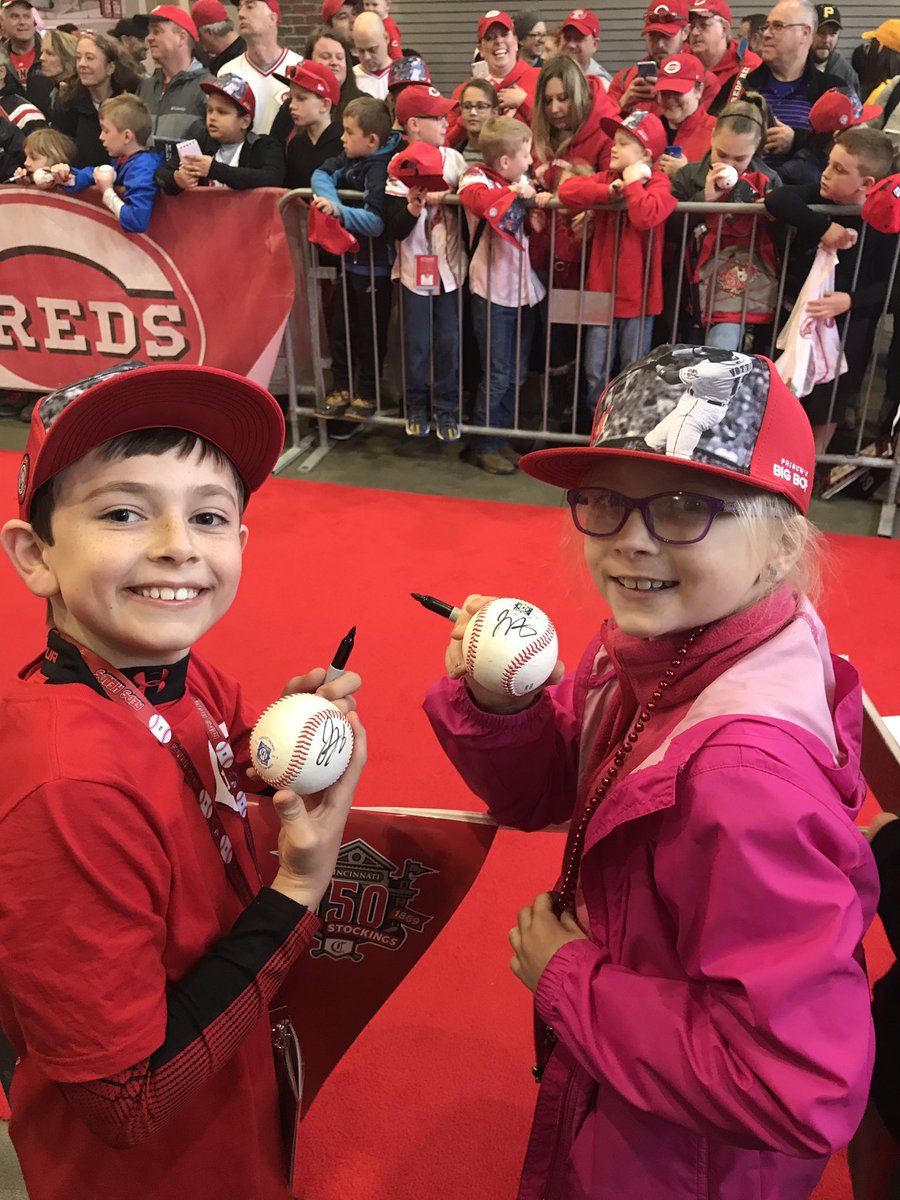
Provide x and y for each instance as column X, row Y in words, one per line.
column 44, row 148
column 702, row 1006
column 140, row 953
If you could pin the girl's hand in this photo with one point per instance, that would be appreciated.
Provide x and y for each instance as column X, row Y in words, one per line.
column 537, row 936
column 581, row 222
column 883, row 818
column 456, row 667
column 61, row 171
column 312, row 828
column 718, row 180
column 831, row 305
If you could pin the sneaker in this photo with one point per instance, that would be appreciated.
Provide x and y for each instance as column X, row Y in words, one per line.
column 361, row 407
column 447, row 428
column 418, row 426
column 335, row 404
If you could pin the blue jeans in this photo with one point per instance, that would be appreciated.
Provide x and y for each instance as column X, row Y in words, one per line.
column 431, row 325
column 498, row 366
column 626, row 338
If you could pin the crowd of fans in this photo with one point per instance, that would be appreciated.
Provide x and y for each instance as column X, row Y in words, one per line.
column 766, row 109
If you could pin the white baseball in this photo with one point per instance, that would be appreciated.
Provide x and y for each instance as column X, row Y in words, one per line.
column 510, row 647
column 43, row 178
column 728, row 177
column 301, row 742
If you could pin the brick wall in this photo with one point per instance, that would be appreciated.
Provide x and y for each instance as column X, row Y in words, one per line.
column 298, row 17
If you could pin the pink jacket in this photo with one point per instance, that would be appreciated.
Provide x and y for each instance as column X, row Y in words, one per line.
column 714, row 1033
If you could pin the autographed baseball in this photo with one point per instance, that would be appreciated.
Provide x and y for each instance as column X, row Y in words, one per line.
column 728, row 177
column 43, row 178
column 301, row 742
column 510, row 647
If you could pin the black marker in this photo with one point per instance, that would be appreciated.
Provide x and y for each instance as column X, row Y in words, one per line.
column 339, row 662
column 441, row 607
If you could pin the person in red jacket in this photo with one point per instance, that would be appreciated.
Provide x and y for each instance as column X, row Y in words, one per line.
column 688, row 125
column 512, row 78
column 711, row 41
column 626, row 254
column 391, row 28
column 664, row 32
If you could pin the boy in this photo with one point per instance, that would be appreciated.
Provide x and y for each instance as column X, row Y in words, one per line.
column 859, row 158
column 426, row 231
column 125, row 128
column 626, row 258
column 231, row 155
column 316, row 134
column 369, row 145
column 140, row 953
column 503, row 285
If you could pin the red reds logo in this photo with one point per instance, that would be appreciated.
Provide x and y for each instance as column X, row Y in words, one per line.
column 85, row 294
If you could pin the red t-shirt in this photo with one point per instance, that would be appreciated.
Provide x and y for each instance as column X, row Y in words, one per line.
column 22, row 64
column 111, row 887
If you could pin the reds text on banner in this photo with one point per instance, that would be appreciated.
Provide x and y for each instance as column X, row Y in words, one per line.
column 210, row 282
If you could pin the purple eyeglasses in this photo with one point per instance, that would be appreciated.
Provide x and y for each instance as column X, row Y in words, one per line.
column 677, row 518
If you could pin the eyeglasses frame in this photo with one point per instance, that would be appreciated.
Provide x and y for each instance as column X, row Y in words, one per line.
column 715, row 508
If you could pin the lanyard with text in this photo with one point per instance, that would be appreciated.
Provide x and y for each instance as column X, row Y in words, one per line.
column 119, row 688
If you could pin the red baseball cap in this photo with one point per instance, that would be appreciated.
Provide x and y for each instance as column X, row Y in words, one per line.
column 715, row 8
column 331, row 7
column 881, row 208
column 680, row 73
column 666, row 17
column 208, row 12
column 645, row 126
column 494, row 17
column 235, row 88
column 312, row 77
column 756, row 431
column 420, row 166
column 584, row 21
column 835, row 110
column 171, row 12
column 238, row 416
column 419, row 101
column 328, row 233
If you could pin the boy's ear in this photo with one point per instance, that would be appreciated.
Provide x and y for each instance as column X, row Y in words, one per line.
column 26, row 553
column 246, row 121
column 868, row 183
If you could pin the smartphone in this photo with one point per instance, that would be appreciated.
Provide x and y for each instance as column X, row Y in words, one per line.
column 188, row 149
column 647, row 69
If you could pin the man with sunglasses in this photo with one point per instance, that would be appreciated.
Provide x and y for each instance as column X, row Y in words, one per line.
column 710, row 40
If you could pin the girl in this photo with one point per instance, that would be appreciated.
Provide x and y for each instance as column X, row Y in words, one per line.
column 477, row 104
column 44, row 149
column 701, row 999
column 731, row 172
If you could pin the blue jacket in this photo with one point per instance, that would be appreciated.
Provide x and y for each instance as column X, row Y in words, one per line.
column 367, row 175
column 135, row 175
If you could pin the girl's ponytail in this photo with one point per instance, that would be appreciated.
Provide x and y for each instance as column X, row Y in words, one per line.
column 749, row 115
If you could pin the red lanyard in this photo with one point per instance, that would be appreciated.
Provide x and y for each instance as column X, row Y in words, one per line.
column 119, row 688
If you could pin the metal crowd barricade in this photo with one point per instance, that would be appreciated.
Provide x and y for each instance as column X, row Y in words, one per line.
column 554, row 408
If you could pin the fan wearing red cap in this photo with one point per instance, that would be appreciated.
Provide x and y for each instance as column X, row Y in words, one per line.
column 624, row 258
column 216, row 33
column 580, row 39
column 172, row 93
column 664, row 31
column 339, row 16
column 711, row 41
column 679, row 90
column 230, row 154
column 265, row 60
column 146, row 951
column 705, row 753
column 430, row 261
column 316, row 136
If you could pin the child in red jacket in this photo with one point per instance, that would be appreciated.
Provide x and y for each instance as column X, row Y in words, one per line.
column 626, row 253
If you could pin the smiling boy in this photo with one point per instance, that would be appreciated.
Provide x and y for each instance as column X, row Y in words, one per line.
column 140, row 952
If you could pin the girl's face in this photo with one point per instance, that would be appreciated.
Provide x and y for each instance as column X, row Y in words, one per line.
column 51, row 64
column 557, row 105
column 476, row 109
column 331, row 54
column 33, row 161
column 676, row 107
column 703, row 582
column 733, row 149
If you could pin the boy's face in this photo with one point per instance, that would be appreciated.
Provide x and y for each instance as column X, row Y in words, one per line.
column 116, row 142
column 356, row 143
column 843, row 180
column 430, row 130
column 382, row 7
column 128, row 532
column 306, row 107
column 225, row 122
column 513, row 166
column 626, row 150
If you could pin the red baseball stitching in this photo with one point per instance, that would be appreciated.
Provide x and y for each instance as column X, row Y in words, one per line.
column 524, row 655
column 476, row 628
column 301, row 746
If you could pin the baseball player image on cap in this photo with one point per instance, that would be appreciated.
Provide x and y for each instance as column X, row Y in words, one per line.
column 710, row 387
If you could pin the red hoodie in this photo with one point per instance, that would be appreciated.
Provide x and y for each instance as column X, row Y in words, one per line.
column 395, row 40
column 622, row 80
column 648, row 206
column 521, row 76
column 694, row 134
column 730, row 65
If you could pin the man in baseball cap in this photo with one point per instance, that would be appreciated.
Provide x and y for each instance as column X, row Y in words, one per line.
column 315, row 96
column 23, row 46
column 339, row 16
column 580, row 37
column 216, row 33
column 711, row 41
column 173, row 93
column 824, row 47
column 664, row 32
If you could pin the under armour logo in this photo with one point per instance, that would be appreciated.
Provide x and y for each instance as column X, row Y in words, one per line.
column 154, row 682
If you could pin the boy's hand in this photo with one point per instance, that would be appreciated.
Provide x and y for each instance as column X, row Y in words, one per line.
column 883, row 818
column 831, row 305
column 524, row 189
column 511, row 98
column 838, row 237
column 339, row 691
column 323, row 205
column 584, row 219
column 62, row 172
column 638, row 172
column 198, row 165
column 779, row 139
column 185, row 181
column 456, row 668
column 416, row 201
column 536, row 937
column 104, row 177
column 616, row 188
column 312, row 828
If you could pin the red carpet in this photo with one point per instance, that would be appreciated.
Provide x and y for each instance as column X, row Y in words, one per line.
column 434, row 1098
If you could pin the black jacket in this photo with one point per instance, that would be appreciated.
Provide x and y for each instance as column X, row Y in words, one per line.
column 260, row 164
column 886, row 1006
column 304, row 156
column 38, row 88
column 12, row 148
column 78, row 118
column 235, row 50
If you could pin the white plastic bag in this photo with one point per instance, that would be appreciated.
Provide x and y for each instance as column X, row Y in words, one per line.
column 812, row 346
